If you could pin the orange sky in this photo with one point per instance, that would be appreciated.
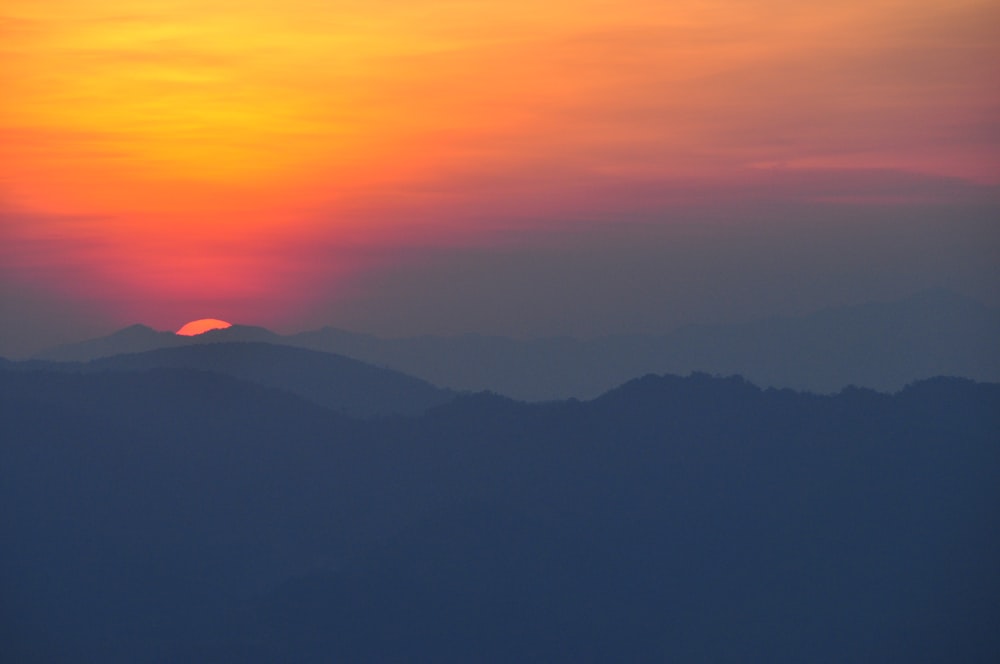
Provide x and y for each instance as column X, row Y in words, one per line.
column 165, row 157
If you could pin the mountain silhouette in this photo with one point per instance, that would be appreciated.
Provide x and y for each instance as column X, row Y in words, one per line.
column 141, row 338
column 132, row 339
column 340, row 383
column 173, row 514
column 883, row 346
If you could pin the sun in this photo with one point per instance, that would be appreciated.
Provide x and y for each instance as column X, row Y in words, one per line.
column 202, row 325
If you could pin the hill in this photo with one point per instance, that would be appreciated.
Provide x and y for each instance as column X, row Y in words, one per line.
column 340, row 383
column 178, row 515
column 142, row 338
column 879, row 345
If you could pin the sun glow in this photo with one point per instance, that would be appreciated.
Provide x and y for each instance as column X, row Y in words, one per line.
column 238, row 154
column 201, row 326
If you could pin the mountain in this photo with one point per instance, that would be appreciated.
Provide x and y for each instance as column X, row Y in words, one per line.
column 140, row 338
column 340, row 383
column 879, row 345
column 159, row 484
column 883, row 346
column 132, row 339
column 177, row 515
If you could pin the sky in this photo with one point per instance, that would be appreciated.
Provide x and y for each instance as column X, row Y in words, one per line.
column 431, row 166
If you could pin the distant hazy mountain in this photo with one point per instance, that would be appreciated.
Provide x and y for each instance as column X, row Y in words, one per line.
column 878, row 345
column 346, row 385
column 173, row 515
column 140, row 338
column 883, row 345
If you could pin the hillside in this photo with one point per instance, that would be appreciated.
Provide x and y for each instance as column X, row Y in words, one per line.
column 343, row 384
column 879, row 345
column 681, row 519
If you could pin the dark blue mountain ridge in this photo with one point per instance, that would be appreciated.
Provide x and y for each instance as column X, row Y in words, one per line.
column 174, row 515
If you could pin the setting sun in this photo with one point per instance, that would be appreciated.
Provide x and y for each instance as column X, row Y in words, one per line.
column 201, row 326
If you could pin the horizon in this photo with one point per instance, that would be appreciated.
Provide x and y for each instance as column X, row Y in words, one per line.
column 877, row 345
column 916, row 297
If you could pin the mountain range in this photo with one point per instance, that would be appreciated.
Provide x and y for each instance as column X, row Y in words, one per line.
column 243, row 496
column 882, row 346
column 173, row 514
column 340, row 383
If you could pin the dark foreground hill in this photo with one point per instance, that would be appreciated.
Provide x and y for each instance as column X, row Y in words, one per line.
column 175, row 515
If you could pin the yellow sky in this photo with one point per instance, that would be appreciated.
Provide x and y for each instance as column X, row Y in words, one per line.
column 172, row 125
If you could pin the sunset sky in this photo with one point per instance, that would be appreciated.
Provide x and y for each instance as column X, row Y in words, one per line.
column 585, row 167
